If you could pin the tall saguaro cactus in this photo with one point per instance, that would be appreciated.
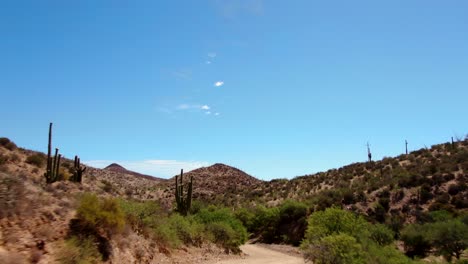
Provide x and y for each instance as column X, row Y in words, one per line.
column 369, row 154
column 406, row 146
column 184, row 202
column 77, row 171
column 53, row 164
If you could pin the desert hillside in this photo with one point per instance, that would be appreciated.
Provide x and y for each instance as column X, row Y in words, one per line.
column 40, row 222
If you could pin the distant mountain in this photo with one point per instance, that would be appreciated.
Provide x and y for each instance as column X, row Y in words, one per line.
column 219, row 182
column 120, row 169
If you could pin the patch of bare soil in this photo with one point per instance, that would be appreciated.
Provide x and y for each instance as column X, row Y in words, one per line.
column 257, row 254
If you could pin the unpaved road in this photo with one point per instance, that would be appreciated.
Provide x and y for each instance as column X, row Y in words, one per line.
column 259, row 255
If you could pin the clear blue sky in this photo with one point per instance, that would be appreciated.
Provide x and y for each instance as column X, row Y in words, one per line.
column 276, row 88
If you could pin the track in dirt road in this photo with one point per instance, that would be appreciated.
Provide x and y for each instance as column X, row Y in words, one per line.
column 259, row 255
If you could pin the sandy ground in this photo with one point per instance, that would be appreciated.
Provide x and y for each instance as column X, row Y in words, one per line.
column 255, row 254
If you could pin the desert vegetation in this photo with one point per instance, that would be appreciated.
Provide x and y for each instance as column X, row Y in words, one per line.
column 396, row 210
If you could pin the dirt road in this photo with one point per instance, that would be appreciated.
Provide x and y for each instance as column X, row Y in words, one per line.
column 259, row 255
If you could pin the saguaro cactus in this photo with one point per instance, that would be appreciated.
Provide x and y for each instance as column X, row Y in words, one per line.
column 53, row 164
column 77, row 171
column 184, row 202
column 369, row 154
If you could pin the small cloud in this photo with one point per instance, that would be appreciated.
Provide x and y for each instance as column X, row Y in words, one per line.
column 216, row 114
column 205, row 107
column 219, row 84
column 212, row 54
column 208, row 112
column 233, row 9
column 184, row 107
column 207, row 62
column 182, row 74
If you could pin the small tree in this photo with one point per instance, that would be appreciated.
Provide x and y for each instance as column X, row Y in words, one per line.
column 450, row 238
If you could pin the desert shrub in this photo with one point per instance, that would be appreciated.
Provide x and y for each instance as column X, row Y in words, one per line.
column 226, row 230
column 165, row 234
column 460, row 201
column 7, row 143
column 395, row 222
column 334, row 221
column 188, row 231
column 385, row 203
column 382, row 255
column 425, row 193
column 37, row 160
column 334, row 249
column 436, row 206
column 14, row 157
column 438, row 179
column 223, row 234
column 338, row 236
column 246, row 216
column 3, row 159
column 292, row 222
column 440, row 216
column 349, row 197
column 416, row 241
column 381, row 234
column 450, row 238
column 107, row 186
column 455, row 188
column 379, row 213
column 13, row 199
column 443, row 198
column 398, row 195
column 79, row 251
column 265, row 223
column 102, row 215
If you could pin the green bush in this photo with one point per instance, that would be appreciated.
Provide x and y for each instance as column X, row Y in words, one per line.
column 450, row 238
column 224, row 228
column 292, row 222
column 338, row 236
column 3, row 159
column 224, row 235
column 381, row 234
column 265, row 223
column 79, row 251
column 165, row 234
column 37, row 160
column 102, row 214
column 383, row 255
column 335, row 249
column 8, row 144
column 188, row 231
column 416, row 241
column 334, row 221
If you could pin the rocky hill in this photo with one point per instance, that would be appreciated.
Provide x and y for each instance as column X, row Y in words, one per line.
column 35, row 217
column 404, row 186
column 121, row 170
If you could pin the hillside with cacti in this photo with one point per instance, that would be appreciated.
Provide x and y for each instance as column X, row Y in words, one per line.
column 55, row 208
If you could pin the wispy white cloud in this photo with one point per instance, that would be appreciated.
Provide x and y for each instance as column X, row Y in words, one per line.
column 216, row 114
column 158, row 168
column 219, row 83
column 231, row 9
column 205, row 107
column 207, row 62
column 182, row 74
column 208, row 112
column 184, row 107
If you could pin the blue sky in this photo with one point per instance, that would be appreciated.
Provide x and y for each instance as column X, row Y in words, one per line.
column 275, row 88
